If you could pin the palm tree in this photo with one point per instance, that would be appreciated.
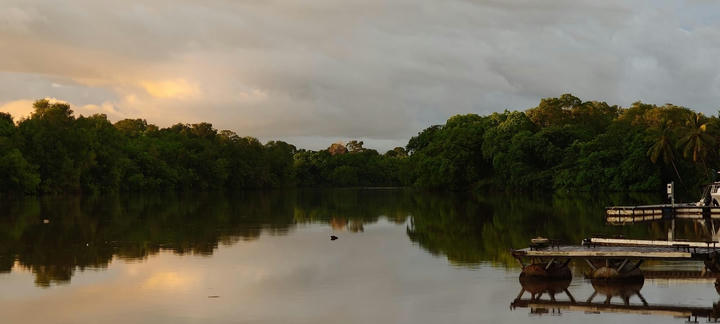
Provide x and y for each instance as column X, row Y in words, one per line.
column 697, row 142
column 662, row 145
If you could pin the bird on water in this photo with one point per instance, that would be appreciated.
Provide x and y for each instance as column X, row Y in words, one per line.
column 333, row 237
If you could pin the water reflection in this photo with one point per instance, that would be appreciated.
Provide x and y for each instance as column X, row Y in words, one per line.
column 537, row 288
column 543, row 297
column 470, row 229
column 55, row 236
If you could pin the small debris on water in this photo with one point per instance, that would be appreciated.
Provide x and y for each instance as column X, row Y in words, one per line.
column 214, row 296
column 333, row 237
column 46, row 221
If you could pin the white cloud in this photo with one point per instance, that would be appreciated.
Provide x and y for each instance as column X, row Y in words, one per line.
column 16, row 19
column 106, row 108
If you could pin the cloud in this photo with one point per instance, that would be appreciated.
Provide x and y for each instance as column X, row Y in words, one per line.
column 171, row 89
column 17, row 19
column 106, row 108
column 380, row 71
column 18, row 108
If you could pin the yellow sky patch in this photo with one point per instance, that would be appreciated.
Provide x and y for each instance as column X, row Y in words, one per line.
column 171, row 89
column 22, row 108
column 18, row 108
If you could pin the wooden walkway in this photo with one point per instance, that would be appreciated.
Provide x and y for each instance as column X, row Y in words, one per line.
column 615, row 259
column 710, row 244
column 619, row 215
column 617, row 252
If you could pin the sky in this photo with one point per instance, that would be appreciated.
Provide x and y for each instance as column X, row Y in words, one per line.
column 315, row 72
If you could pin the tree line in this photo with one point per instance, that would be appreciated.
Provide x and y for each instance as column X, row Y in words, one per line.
column 563, row 144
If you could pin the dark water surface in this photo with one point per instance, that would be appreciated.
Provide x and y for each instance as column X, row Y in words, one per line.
column 266, row 257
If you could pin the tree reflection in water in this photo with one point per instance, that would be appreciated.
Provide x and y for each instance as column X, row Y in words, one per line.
column 88, row 232
column 53, row 236
column 470, row 229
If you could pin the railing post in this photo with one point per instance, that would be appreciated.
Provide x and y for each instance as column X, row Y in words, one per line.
column 671, row 195
column 671, row 230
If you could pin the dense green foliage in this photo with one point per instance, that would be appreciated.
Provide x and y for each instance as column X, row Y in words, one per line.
column 562, row 144
column 53, row 151
column 357, row 167
column 566, row 144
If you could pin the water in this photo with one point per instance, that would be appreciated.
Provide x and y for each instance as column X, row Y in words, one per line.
column 265, row 257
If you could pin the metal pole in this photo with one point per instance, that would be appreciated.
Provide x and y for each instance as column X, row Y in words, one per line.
column 671, row 232
column 671, row 195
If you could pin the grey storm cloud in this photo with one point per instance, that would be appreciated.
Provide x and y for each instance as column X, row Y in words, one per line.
column 313, row 72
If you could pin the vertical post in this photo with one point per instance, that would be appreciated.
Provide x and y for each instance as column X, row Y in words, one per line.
column 712, row 228
column 671, row 196
column 671, row 231
column 671, row 192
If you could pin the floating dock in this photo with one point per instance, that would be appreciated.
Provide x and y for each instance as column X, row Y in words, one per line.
column 620, row 258
column 616, row 252
column 613, row 259
column 651, row 243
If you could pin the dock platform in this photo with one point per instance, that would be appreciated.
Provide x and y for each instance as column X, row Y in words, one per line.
column 619, row 258
column 613, row 258
column 616, row 252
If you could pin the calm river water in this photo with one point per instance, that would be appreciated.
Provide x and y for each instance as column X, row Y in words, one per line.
column 266, row 257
